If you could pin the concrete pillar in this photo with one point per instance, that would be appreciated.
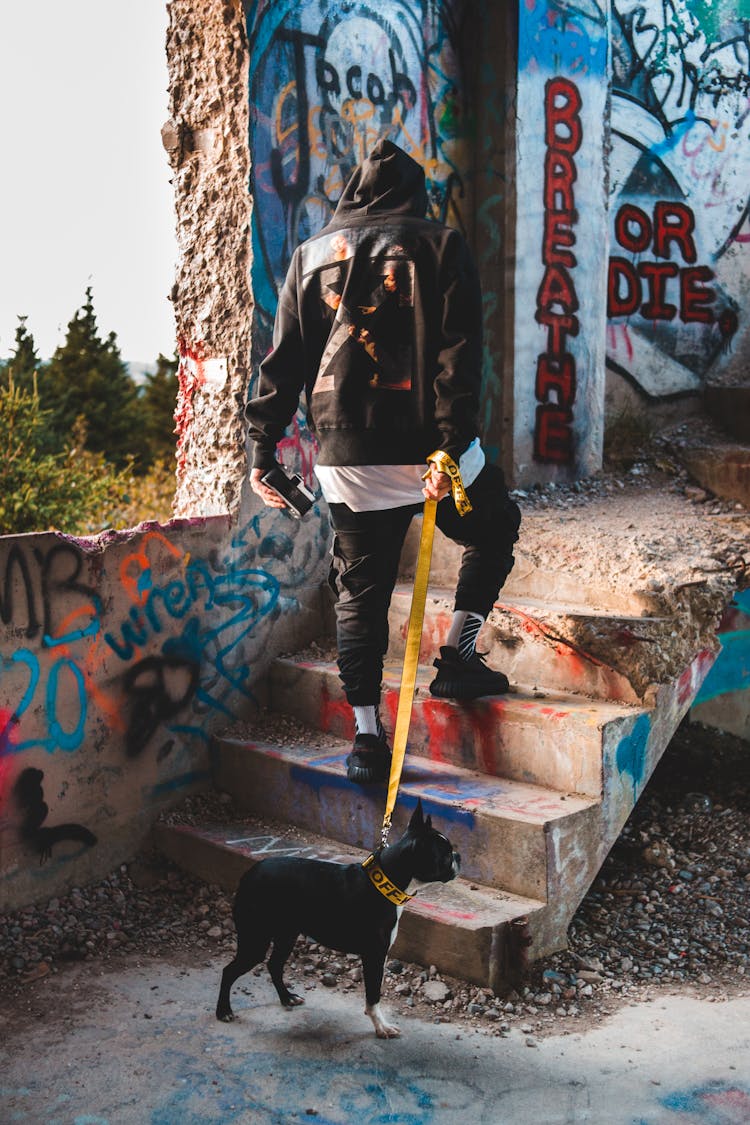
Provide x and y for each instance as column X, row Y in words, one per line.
column 561, row 240
column 206, row 140
column 493, row 71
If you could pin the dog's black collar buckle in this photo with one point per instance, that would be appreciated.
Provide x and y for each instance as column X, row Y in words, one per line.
column 382, row 883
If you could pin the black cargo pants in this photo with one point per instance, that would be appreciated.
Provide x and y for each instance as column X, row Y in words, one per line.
column 366, row 552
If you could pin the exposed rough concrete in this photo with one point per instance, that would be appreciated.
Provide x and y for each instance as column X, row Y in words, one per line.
column 206, row 139
column 664, row 569
column 649, row 545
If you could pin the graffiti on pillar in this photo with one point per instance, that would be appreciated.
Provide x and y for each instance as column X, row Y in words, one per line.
column 560, row 229
column 328, row 79
column 557, row 300
column 679, row 175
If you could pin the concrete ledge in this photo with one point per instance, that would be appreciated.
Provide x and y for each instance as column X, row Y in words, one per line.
column 526, row 639
column 550, row 740
column 498, row 826
column 722, row 469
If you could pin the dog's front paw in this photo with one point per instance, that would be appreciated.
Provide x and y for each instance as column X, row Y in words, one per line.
column 383, row 1029
column 292, row 1000
column 226, row 1015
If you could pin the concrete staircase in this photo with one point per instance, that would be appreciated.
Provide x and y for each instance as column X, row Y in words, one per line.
column 532, row 788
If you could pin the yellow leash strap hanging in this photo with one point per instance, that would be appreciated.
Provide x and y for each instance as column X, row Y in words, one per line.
column 411, row 660
column 416, row 619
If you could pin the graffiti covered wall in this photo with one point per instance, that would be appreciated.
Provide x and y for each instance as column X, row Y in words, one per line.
column 327, row 80
column 561, row 228
column 678, row 284
column 724, row 699
column 118, row 657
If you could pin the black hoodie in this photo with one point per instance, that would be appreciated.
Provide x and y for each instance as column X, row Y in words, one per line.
column 379, row 320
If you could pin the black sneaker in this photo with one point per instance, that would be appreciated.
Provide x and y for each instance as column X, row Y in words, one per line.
column 369, row 761
column 466, row 679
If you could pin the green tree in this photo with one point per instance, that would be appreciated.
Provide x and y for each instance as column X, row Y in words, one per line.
column 24, row 362
column 158, row 401
column 86, row 378
column 73, row 490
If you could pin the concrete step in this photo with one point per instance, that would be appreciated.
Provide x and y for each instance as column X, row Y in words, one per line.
column 550, row 739
column 526, row 580
column 462, row 928
column 500, row 827
column 547, row 645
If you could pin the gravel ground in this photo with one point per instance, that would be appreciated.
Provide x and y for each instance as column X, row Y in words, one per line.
column 668, row 911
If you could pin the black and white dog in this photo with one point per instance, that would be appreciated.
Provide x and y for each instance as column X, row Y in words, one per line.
column 354, row 908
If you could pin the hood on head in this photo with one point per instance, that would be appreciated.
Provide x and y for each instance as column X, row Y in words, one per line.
column 388, row 180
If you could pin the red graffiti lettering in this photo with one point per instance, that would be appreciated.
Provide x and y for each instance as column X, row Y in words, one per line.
column 563, row 129
column 674, row 222
column 622, row 276
column 693, row 297
column 629, row 216
column 558, row 375
column 557, row 300
column 559, row 176
column 559, row 234
column 557, row 291
column 656, row 274
column 646, row 288
column 553, row 434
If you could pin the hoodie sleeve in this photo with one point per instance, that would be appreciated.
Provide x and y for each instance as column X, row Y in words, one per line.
column 458, row 379
column 281, row 378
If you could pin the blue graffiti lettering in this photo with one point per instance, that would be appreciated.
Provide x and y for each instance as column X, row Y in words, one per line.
column 66, row 740
column 254, row 592
column 631, row 756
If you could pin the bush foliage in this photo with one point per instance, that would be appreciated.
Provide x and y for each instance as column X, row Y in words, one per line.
column 86, row 448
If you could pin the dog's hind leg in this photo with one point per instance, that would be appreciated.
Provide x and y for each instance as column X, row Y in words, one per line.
column 249, row 954
column 283, row 944
column 372, row 967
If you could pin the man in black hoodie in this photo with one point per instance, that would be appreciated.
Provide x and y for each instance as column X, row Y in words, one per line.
column 379, row 320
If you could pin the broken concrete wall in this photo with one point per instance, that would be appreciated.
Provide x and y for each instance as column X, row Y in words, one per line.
column 206, row 140
column 119, row 656
column 679, row 269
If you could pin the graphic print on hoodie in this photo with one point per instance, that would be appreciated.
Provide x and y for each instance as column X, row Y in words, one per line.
column 373, row 337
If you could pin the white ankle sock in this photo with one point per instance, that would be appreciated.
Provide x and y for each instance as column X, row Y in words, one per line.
column 367, row 720
column 464, row 631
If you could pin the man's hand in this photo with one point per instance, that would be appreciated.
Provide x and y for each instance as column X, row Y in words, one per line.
column 437, row 484
column 267, row 495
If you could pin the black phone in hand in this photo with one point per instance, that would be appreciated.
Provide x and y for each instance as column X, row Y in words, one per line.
column 297, row 497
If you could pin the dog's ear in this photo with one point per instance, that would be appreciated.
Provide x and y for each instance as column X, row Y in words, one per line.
column 416, row 823
column 428, row 824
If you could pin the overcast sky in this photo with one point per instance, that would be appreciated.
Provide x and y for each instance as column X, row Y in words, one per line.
column 84, row 188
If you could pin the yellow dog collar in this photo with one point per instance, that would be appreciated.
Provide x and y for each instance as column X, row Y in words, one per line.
column 446, row 464
column 382, row 883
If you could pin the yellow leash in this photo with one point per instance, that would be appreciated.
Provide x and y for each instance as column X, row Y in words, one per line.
column 411, row 661
column 414, row 634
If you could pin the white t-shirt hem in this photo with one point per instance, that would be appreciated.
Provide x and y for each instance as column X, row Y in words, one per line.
column 372, row 488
